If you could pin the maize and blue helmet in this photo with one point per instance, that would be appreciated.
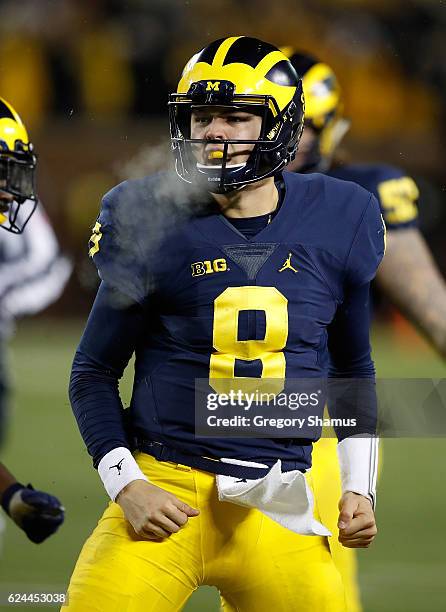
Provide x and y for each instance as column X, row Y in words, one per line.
column 323, row 108
column 17, row 170
column 250, row 75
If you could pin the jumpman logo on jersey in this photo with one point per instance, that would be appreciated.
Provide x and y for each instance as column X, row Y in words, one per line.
column 117, row 466
column 287, row 265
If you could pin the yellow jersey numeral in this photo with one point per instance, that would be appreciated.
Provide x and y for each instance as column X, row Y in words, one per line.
column 398, row 199
column 95, row 239
column 269, row 351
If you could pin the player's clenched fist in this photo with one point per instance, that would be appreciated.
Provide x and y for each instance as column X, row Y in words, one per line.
column 357, row 526
column 153, row 512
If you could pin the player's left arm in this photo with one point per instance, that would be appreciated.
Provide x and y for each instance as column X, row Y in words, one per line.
column 352, row 383
column 411, row 280
column 352, row 396
column 39, row 514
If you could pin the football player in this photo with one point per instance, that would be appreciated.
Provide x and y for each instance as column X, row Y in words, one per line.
column 408, row 274
column 32, row 274
column 227, row 274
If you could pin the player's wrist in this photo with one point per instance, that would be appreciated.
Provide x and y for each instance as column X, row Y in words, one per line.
column 367, row 498
column 117, row 470
column 8, row 495
column 130, row 488
column 358, row 460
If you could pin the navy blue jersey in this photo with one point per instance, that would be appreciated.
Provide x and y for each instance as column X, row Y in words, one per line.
column 396, row 192
column 211, row 303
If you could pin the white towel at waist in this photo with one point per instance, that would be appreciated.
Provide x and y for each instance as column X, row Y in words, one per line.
column 283, row 496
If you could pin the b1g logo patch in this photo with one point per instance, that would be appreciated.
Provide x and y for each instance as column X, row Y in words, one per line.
column 200, row 268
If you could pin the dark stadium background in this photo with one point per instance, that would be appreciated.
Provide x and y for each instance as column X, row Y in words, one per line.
column 90, row 78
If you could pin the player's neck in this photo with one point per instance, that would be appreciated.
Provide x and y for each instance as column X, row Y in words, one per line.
column 257, row 199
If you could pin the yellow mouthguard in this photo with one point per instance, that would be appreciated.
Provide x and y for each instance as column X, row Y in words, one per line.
column 215, row 154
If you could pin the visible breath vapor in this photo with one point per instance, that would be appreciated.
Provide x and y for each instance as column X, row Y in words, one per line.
column 148, row 160
column 147, row 209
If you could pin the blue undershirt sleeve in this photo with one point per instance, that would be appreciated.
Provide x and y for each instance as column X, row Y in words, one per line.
column 107, row 344
column 351, row 387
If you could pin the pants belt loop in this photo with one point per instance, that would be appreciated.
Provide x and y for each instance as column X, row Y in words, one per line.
column 183, row 468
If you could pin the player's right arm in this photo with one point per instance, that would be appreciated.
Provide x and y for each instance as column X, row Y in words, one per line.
column 111, row 335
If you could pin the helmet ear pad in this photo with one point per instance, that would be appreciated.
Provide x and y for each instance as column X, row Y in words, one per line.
column 288, row 134
column 183, row 117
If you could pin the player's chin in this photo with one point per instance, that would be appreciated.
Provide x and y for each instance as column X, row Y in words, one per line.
column 240, row 157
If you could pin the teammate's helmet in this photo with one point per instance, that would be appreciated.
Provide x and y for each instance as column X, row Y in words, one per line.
column 17, row 166
column 323, row 107
column 247, row 74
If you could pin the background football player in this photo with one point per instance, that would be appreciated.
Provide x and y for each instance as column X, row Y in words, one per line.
column 32, row 275
column 408, row 275
column 181, row 265
column 33, row 272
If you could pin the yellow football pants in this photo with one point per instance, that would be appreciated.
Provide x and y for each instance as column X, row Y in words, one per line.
column 257, row 565
column 326, row 480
